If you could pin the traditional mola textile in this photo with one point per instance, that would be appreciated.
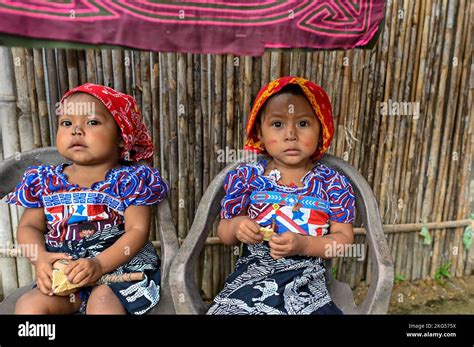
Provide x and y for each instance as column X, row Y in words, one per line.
column 242, row 27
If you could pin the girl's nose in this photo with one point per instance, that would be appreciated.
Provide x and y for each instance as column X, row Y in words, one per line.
column 77, row 130
column 290, row 133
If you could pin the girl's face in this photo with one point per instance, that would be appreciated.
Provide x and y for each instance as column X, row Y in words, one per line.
column 87, row 132
column 289, row 129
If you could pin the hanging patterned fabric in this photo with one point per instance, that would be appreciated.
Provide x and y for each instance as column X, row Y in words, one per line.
column 212, row 26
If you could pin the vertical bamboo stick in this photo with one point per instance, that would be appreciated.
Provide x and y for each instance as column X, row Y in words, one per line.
column 433, row 165
column 248, row 73
column 10, row 146
column 25, row 128
column 35, row 122
column 108, row 71
column 155, row 110
column 285, row 63
column 128, row 72
column 422, row 36
column 91, row 66
column 155, row 101
column 53, row 89
column 466, row 259
column 257, row 83
column 449, row 142
column 173, row 134
column 306, row 73
column 396, row 122
column 24, row 105
column 408, row 151
column 294, row 60
column 275, row 65
column 81, row 66
column 42, row 101
column 197, row 151
column 118, row 70
column 424, row 130
column 182, row 145
column 266, row 64
column 190, row 148
column 62, row 71
column 301, row 64
column 206, row 114
column 216, row 118
column 164, row 117
column 229, row 111
column 99, row 68
column 72, row 73
column 145, row 87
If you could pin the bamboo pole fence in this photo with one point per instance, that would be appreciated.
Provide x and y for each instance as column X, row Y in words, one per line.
column 402, row 112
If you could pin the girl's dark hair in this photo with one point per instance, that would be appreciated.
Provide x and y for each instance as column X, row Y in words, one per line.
column 293, row 89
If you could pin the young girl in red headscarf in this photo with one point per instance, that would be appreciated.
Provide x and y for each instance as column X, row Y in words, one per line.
column 308, row 206
column 100, row 130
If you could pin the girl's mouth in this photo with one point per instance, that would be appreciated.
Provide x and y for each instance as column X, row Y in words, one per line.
column 292, row 151
column 77, row 146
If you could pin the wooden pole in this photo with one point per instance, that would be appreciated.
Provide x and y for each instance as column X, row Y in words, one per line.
column 72, row 73
column 53, row 92
column 182, row 120
column 10, row 146
column 42, row 100
column 118, row 70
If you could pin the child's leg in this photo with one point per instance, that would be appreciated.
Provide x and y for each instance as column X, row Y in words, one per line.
column 35, row 302
column 104, row 301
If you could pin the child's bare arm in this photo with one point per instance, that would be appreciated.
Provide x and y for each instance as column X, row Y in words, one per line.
column 137, row 231
column 30, row 233
column 31, row 229
column 239, row 229
column 288, row 244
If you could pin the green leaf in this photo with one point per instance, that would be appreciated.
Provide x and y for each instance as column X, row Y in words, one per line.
column 427, row 239
column 424, row 231
column 399, row 278
column 467, row 237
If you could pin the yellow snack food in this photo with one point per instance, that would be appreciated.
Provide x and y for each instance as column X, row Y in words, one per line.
column 61, row 286
column 267, row 233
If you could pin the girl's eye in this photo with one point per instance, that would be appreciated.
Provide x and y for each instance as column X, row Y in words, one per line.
column 303, row 124
column 65, row 123
column 93, row 122
column 277, row 124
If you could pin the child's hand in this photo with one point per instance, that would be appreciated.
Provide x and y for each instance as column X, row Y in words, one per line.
column 44, row 270
column 286, row 245
column 247, row 230
column 84, row 271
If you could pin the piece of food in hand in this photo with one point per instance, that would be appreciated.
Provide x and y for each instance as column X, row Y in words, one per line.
column 267, row 233
column 61, row 285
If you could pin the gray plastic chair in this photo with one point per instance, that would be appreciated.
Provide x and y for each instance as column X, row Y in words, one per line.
column 11, row 171
column 186, row 294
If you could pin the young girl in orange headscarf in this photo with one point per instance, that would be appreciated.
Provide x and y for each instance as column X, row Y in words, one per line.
column 307, row 205
column 95, row 210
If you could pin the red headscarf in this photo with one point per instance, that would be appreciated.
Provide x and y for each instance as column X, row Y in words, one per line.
column 124, row 109
column 318, row 100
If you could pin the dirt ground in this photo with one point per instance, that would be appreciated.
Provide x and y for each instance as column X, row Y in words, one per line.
column 454, row 296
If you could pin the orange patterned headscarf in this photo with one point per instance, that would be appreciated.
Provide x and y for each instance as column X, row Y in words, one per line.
column 318, row 100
